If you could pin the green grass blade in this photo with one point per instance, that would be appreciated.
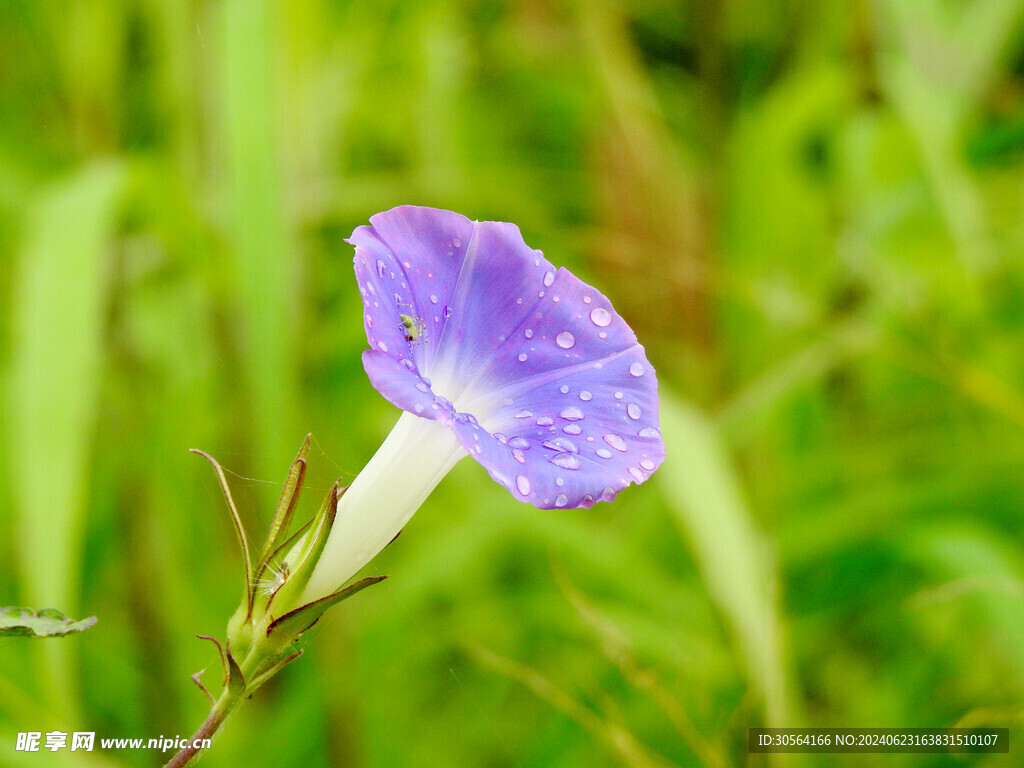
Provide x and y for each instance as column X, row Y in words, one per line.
column 706, row 498
column 58, row 308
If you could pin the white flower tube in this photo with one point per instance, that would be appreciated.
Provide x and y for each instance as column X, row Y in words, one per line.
column 395, row 482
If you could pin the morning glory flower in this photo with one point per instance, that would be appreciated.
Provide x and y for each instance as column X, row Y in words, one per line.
column 493, row 353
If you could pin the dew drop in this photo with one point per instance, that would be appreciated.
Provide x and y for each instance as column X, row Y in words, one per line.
column 457, row 243
column 447, row 311
column 380, row 268
column 615, row 441
column 561, row 500
column 418, row 408
column 559, row 482
column 523, row 484
column 586, row 299
column 501, row 438
column 635, row 369
column 407, row 265
column 637, row 474
column 566, row 461
column 572, row 429
column 585, row 396
column 618, row 395
column 518, row 456
column 603, row 335
column 522, row 357
column 608, row 493
column 524, row 414
column 647, row 464
column 634, row 411
column 519, row 442
column 648, row 432
column 549, row 278
column 422, row 387
column 561, row 445
column 369, row 321
column 600, row 317
column 528, row 333
column 433, row 299
column 545, row 421
column 382, row 346
column 564, row 389
column 587, row 501
column 572, row 413
column 604, row 453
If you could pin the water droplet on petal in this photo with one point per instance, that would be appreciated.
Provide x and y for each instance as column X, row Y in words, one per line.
column 604, row 453
column 637, row 474
column 522, row 357
column 586, row 299
column 422, row 387
column 382, row 346
column 549, row 278
column 564, row 389
column 618, row 395
column 559, row 482
column 519, row 442
column 587, row 501
column 528, row 333
column 635, row 369
column 585, row 396
column 500, row 437
column 572, row 429
column 433, row 299
column 615, row 442
column 647, row 464
column 457, row 243
column 600, row 317
column 380, row 268
column 523, row 484
column 447, row 312
column 518, row 456
column 561, row 445
column 572, row 413
column 566, row 461
column 524, row 414
column 545, row 421
column 634, row 411
column 565, row 340
column 561, row 500
column 608, row 493
column 418, row 408
column 649, row 432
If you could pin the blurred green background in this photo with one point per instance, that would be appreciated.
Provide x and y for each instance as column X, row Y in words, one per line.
column 810, row 213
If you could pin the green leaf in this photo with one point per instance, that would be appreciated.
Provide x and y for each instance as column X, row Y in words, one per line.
column 48, row 622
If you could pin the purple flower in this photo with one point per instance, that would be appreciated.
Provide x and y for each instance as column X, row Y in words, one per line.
column 494, row 353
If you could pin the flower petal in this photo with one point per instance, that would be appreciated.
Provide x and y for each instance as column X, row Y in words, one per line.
column 540, row 379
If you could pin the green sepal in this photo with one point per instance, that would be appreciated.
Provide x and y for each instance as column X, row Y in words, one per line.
column 310, row 547
column 296, row 622
column 277, row 561
column 243, row 541
column 236, row 680
column 261, row 678
column 285, row 506
column 46, row 622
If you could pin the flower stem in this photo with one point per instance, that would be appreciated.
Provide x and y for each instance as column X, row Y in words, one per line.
column 218, row 714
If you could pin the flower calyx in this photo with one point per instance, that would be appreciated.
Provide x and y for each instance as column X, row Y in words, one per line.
column 262, row 634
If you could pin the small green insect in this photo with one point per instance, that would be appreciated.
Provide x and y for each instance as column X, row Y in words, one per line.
column 414, row 328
